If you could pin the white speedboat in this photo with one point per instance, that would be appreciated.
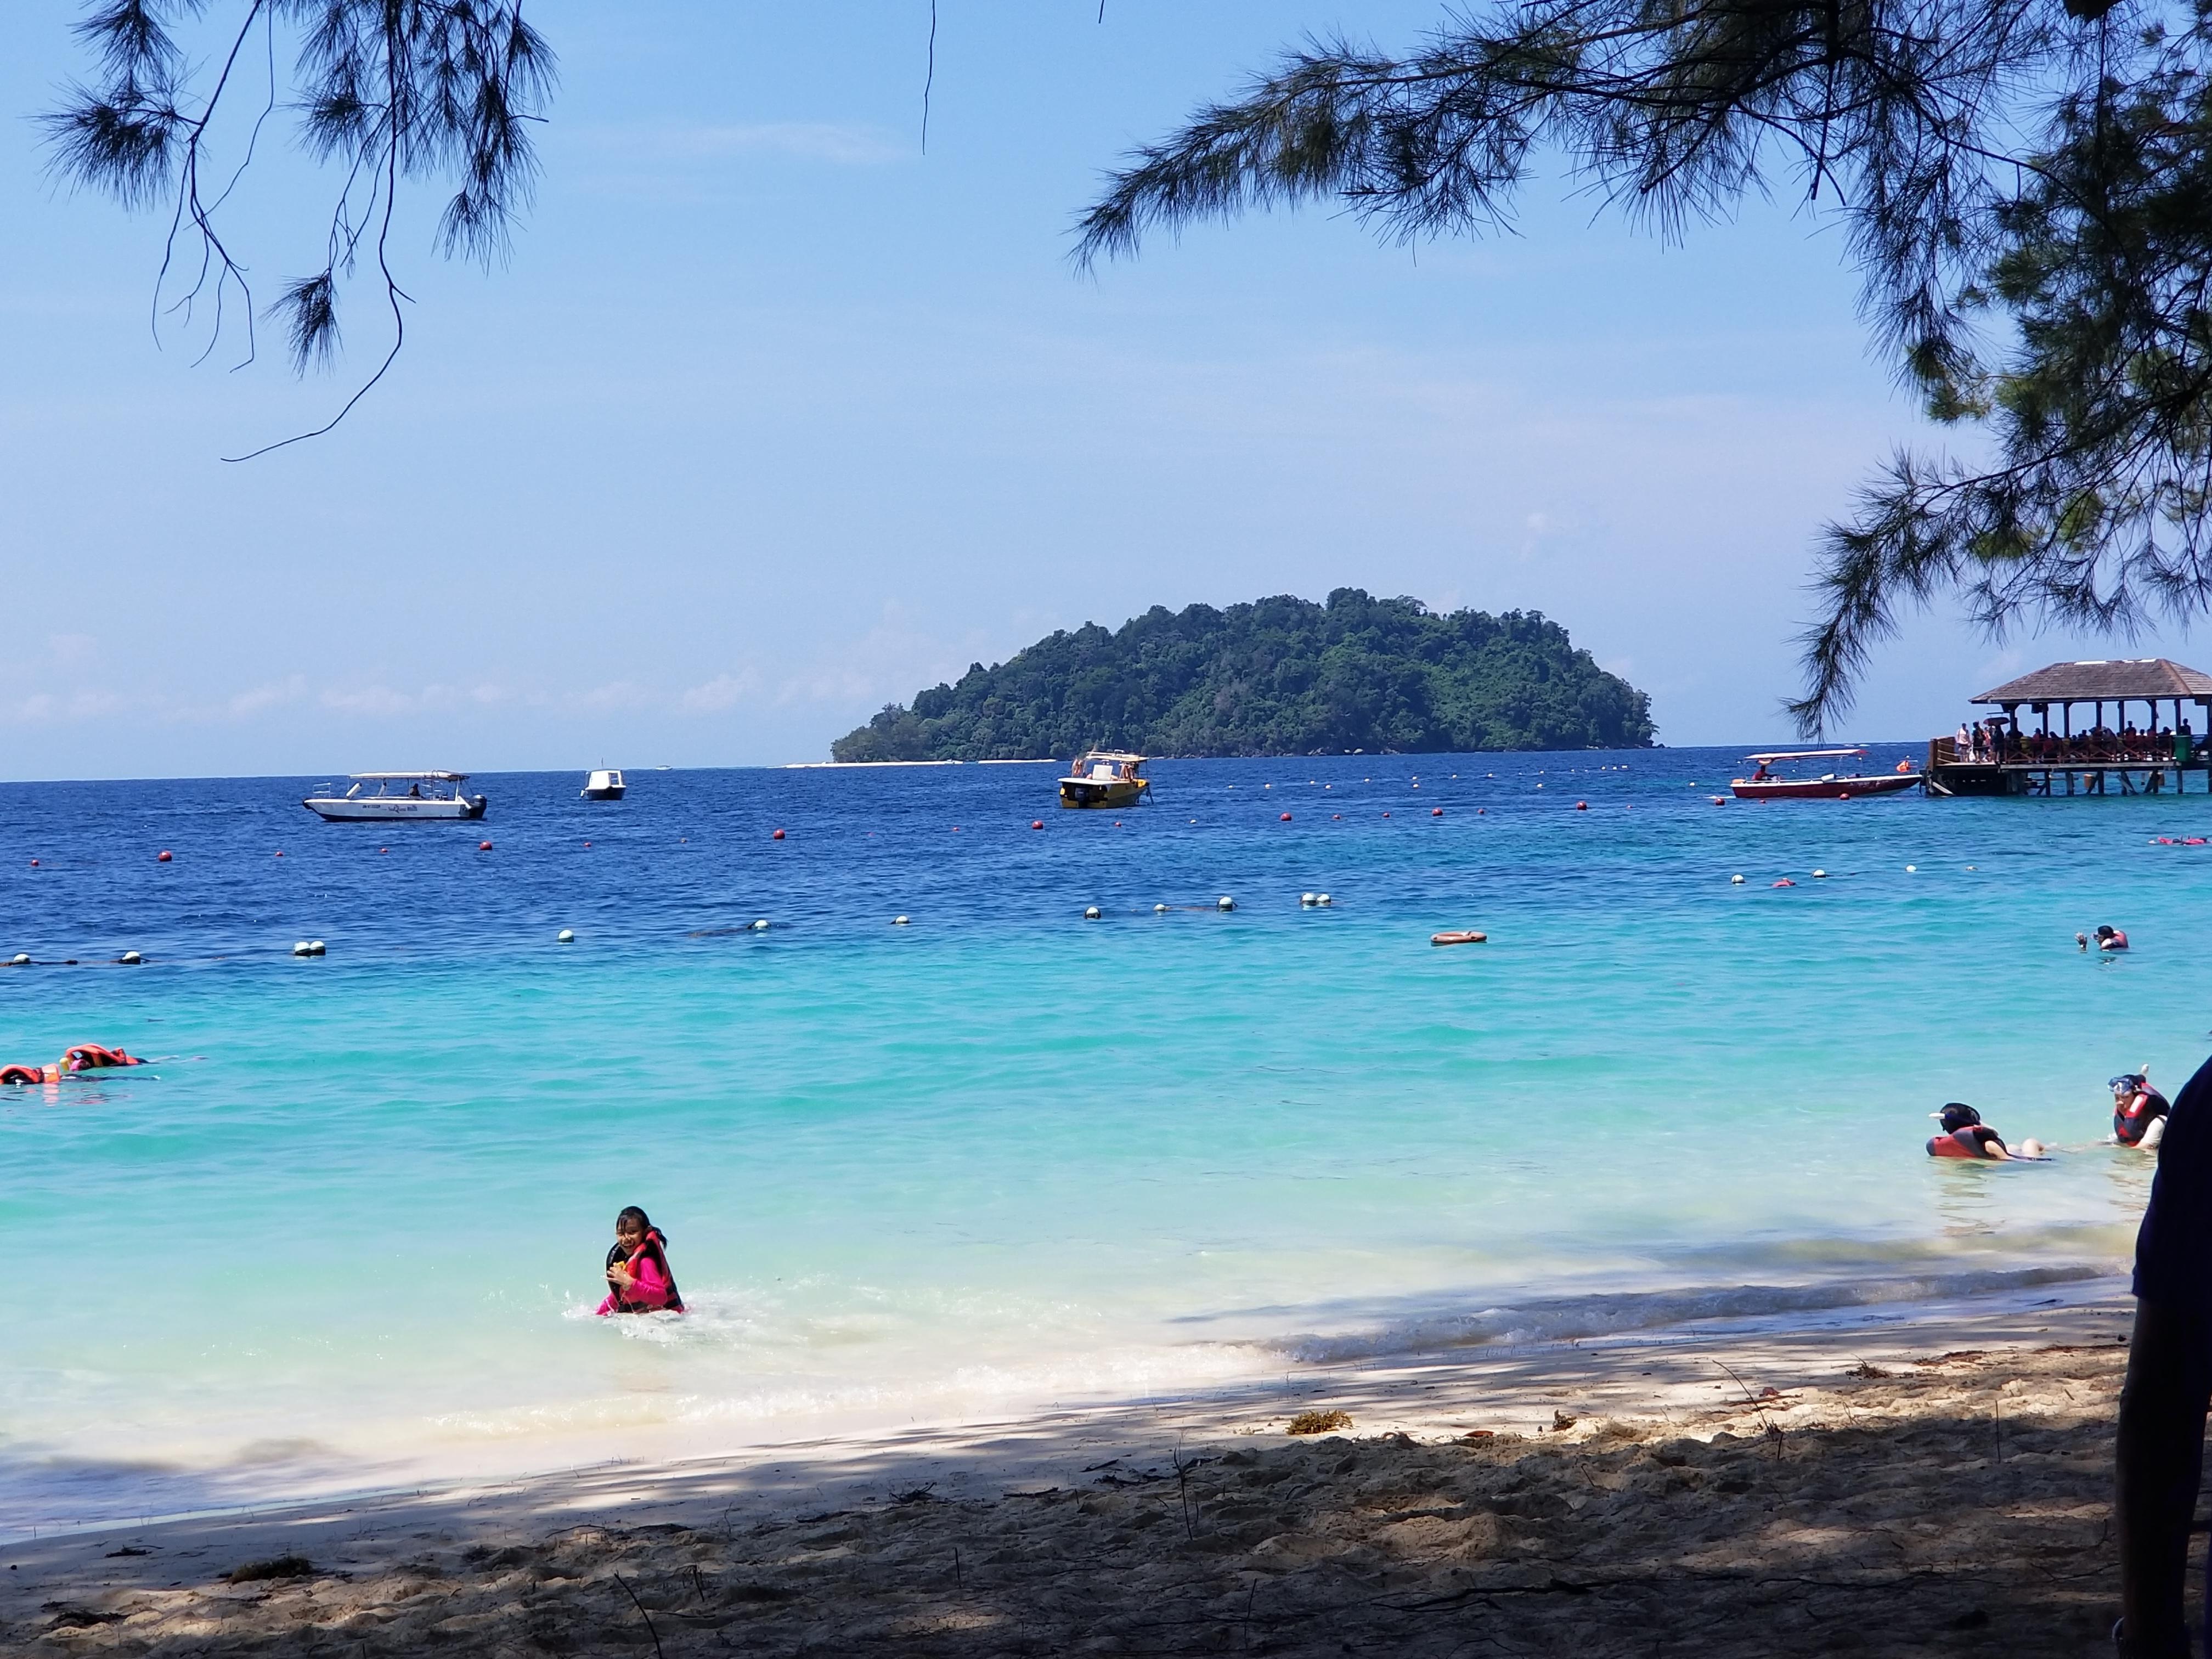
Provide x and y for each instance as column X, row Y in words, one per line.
column 398, row 795
column 605, row 784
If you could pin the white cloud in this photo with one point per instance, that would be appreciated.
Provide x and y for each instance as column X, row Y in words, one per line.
column 723, row 692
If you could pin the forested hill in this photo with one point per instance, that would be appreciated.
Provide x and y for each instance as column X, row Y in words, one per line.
column 1280, row 676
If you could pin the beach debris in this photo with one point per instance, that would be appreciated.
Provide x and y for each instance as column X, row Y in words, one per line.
column 919, row 1494
column 277, row 1566
column 68, row 1615
column 128, row 1549
column 1866, row 1372
column 1318, row 1422
column 1561, row 1422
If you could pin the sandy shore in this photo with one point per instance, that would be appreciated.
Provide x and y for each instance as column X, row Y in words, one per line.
column 1931, row 1486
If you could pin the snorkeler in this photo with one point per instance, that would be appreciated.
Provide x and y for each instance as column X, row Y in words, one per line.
column 2139, row 1111
column 637, row 1268
column 2109, row 937
column 1964, row 1135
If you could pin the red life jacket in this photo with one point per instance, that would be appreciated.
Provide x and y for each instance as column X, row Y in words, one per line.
column 652, row 1250
column 1965, row 1143
column 90, row 1056
column 2132, row 1122
column 22, row 1074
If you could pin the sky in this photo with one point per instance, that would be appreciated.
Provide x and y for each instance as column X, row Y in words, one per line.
column 773, row 417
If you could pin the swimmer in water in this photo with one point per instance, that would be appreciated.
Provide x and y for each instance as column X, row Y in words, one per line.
column 1964, row 1135
column 638, row 1274
column 2139, row 1111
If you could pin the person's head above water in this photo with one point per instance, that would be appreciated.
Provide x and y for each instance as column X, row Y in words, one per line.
column 2104, row 930
column 1956, row 1115
column 632, row 1226
column 2128, row 1083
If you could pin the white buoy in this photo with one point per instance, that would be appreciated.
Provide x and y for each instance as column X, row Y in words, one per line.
column 20, row 959
column 566, row 936
column 316, row 945
column 1736, row 881
column 130, row 958
column 1323, row 900
column 303, row 949
column 1159, row 910
column 761, row 926
column 899, row 921
column 1090, row 912
column 1819, row 875
column 1306, row 899
column 1910, row 868
column 1224, row 903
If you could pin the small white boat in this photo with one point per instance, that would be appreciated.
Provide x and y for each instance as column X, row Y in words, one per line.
column 419, row 799
column 605, row 784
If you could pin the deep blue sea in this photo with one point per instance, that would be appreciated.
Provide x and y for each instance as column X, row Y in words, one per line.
column 347, row 1230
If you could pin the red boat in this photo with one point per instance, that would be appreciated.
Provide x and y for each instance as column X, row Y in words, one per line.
column 1763, row 785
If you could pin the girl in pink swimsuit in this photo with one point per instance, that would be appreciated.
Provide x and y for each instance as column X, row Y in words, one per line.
column 637, row 1268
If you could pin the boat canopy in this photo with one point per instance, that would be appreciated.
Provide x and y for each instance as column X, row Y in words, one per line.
column 1110, row 755
column 410, row 777
column 1804, row 754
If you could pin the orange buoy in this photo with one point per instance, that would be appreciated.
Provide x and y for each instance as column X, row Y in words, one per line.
column 1286, row 818
column 1337, row 816
column 34, row 864
column 1436, row 812
column 1037, row 823
column 484, row 847
column 1720, row 800
column 162, row 857
column 1460, row 936
column 1386, row 815
column 1582, row 806
column 384, row 849
column 1785, row 882
column 778, row 835
column 587, row 843
column 1480, row 811
column 1843, row 794
column 280, row 853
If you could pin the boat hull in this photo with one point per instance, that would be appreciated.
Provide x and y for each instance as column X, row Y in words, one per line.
column 1101, row 792
column 611, row 792
column 1882, row 783
column 392, row 809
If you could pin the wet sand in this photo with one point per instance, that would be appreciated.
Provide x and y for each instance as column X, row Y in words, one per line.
column 1931, row 1486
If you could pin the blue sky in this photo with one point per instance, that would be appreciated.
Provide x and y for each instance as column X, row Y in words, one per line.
column 772, row 418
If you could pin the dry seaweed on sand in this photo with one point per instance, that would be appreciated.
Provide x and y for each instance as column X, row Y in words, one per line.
column 1318, row 1422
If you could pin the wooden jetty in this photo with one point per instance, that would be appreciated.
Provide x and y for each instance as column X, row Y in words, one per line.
column 2091, row 755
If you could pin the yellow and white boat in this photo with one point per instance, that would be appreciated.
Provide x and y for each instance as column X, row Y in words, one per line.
column 1105, row 777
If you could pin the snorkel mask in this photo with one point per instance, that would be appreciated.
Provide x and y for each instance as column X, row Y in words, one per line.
column 1957, row 1115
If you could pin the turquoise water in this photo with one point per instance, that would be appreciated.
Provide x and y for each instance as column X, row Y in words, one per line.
column 347, row 1231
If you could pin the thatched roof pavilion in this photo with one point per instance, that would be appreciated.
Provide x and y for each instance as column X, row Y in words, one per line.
column 2140, row 679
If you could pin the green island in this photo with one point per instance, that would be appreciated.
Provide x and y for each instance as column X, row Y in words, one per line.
column 1281, row 676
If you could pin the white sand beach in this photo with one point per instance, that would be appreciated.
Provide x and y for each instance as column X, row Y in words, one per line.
column 1929, row 1484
